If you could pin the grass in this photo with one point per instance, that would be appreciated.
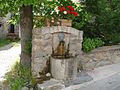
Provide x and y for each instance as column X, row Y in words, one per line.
column 18, row 77
column 4, row 42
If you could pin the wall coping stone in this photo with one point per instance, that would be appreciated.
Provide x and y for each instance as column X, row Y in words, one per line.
column 106, row 49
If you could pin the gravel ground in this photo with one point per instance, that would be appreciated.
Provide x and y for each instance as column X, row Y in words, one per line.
column 8, row 56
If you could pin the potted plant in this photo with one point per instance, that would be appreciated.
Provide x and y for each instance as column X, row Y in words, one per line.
column 61, row 12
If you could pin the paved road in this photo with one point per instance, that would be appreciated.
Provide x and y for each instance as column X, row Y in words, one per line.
column 110, row 83
column 8, row 55
column 104, row 78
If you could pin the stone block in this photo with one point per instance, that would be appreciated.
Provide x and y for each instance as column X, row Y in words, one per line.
column 52, row 84
column 4, row 86
column 64, row 69
column 25, row 88
column 37, row 65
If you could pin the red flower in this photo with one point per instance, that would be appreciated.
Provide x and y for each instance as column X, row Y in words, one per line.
column 68, row 12
column 71, row 8
column 61, row 8
column 74, row 13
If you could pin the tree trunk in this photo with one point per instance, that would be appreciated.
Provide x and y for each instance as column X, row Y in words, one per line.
column 26, row 26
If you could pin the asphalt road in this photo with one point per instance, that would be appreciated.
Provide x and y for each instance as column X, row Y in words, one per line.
column 109, row 83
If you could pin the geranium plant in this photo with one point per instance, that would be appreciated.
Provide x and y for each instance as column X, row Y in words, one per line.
column 59, row 9
column 63, row 10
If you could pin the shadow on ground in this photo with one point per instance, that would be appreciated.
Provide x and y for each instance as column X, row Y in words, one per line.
column 81, row 78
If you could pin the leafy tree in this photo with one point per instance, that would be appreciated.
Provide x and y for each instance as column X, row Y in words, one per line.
column 105, row 22
column 24, row 10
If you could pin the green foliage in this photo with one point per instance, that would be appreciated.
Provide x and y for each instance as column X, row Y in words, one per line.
column 18, row 77
column 50, row 9
column 80, row 21
column 90, row 44
column 105, row 22
column 114, row 38
column 4, row 42
column 14, row 6
column 39, row 21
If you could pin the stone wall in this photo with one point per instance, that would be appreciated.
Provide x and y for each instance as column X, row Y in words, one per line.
column 47, row 37
column 4, row 28
column 2, row 31
column 102, row 56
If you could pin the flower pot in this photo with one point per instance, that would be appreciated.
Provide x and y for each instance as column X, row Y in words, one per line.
column 65, row 22
column 49, row 22
column 61, row 22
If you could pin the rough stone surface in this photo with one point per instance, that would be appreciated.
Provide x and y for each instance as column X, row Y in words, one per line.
column 51, row 85
column 2, row 31
column 47, row 37
column 65, row 69
column 4, row 86
column 25, row 88
column 102, row 56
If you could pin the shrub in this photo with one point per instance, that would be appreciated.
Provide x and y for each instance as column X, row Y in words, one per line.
column 112, row 39
column 90, row 44
column 105, row 20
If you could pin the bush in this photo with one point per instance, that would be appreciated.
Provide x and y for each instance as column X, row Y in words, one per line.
column 105, row 23
column 80, row 21
column 111, row 39
column 90, row 44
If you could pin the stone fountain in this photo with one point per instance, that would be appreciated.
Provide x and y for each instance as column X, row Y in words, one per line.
column 60, row 45
column 63, row 63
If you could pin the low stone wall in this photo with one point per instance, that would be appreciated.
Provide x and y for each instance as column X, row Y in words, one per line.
column 2, row 32
column 99, row 57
